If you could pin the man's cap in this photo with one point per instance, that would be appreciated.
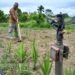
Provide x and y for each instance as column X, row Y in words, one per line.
column 16, row 4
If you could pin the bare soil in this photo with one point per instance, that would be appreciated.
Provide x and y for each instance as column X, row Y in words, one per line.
column 44, row 38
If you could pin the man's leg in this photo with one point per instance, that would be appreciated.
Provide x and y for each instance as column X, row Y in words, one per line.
column 10, row 31
column 16, row 34
column 16, row 31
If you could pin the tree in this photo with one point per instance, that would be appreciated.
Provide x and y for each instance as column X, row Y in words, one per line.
column 24, row 16
column 40, row 14
column 65, row 15
column 40, row 9
column 19, row 13
column 2, row 16
column 49, row 12
column 33, row 16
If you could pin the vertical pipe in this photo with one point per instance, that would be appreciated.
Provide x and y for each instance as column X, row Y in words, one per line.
column 59, row 63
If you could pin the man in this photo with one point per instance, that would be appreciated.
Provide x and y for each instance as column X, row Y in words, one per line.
column 13, row 20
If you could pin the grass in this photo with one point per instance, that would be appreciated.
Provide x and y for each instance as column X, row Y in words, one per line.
column 1, row 44
column 33, row 25
column 70, row 28
column 69, row 71
column 29, row 24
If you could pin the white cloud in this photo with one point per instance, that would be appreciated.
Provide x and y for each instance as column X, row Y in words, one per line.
column 57, row 6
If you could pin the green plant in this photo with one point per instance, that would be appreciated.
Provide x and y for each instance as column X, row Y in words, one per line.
column 9, row 47
column 26, row 72
column 24, row 69
column 9, row 72
column 1, row 44
column 5, row 59
column 69, row 71
column 4, row 66
column 6, row 56
column 70, row 28
column 34, row 54
column 21, row 53
column 46, row 65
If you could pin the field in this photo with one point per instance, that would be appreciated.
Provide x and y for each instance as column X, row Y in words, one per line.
column 15, row 62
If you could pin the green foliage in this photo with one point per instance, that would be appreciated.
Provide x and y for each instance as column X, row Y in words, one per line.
column 69, row 71
column 9, row 72
column 4, row 66
column 24, row 17
column 30, row 24
column 2, row 16
column 23, row 69
column 6, row 54
column 40, row 19
column 65, row 15
column 19, row 12
column 3, row 24
column 19, row 69
column 34, row 54
column 41, row 16
column 33, row 16
column 70, row 28
column 46, row 65
column 40, row 9
column 34, row 24
column 21, row 53
column 9, row 47
column 1, row 44
column 27, row 72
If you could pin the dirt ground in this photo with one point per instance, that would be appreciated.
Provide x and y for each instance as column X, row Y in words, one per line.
column 44, row 38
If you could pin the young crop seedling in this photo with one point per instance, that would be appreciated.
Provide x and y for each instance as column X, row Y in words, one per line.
column 46, row 65
column 23, row 69
column 21, row 53
column 34, row 54
column 9, row 47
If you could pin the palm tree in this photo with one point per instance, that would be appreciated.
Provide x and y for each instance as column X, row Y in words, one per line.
column 49, row 12
column 40, row 15
column 40, row 9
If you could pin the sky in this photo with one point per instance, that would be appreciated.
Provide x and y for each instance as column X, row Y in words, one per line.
column 57, row 6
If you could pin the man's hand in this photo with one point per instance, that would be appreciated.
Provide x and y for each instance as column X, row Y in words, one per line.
column 17, row 21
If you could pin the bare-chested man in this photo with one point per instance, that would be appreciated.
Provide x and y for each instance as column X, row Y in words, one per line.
column 13, row 20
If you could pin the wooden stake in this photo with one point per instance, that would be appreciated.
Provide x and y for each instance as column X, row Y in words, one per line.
column 19, row 33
